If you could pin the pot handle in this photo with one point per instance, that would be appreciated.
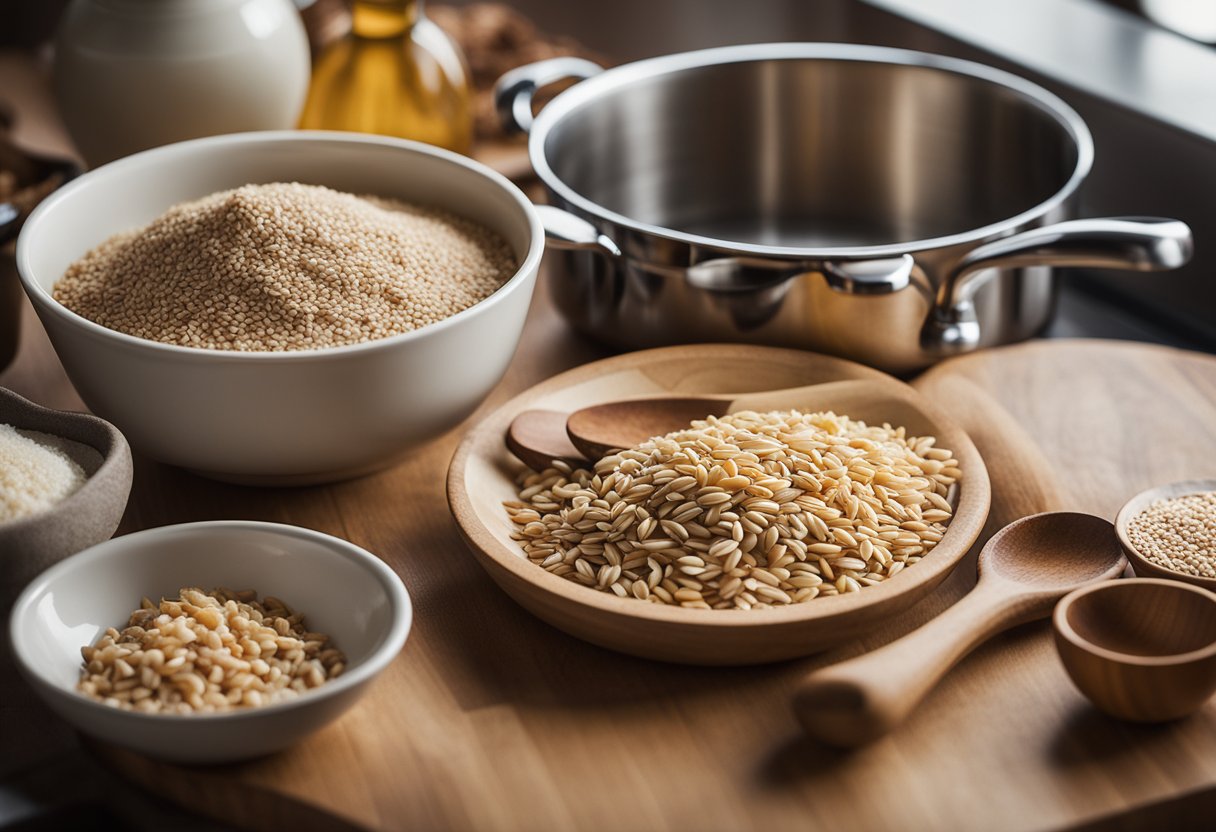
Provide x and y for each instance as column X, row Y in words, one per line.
column 1142, row 244
column 566, row 231
column 514, row 91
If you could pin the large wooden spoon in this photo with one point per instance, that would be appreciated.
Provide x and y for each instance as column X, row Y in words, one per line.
column 537, row 438
column 1023, row 570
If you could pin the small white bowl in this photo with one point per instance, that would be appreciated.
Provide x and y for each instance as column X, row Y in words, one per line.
column 281, row 418
column 342, row 590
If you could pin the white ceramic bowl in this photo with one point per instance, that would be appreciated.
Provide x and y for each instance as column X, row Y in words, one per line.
column 288, row 417
column 342, row 591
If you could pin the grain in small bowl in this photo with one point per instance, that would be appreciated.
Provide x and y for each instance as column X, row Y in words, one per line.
column 1170, row 532
column 258, row 408
column 343, row 592
column 64, row 482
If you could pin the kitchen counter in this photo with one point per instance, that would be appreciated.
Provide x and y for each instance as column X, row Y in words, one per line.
column 45, row 773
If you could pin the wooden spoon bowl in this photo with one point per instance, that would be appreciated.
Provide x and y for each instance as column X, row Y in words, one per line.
column 482, row 476
column 1141, row 649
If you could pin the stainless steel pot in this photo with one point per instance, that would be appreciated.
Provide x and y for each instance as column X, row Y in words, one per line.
column 888, row 206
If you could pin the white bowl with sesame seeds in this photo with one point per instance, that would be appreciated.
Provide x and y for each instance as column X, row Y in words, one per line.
column 341, row 589
column 290, row 417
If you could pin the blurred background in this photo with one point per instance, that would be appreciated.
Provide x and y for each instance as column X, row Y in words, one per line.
column 1140, row 72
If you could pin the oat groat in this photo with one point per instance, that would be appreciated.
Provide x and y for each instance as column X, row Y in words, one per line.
column 745, row 511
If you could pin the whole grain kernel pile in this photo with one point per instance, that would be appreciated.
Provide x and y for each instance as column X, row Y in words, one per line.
column 208, row 652
column 1178, row 533
column 286, row 267
column 745, row 511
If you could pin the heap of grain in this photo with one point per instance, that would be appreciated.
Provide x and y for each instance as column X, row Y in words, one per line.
column 207, row 652
column 286, row 267
column 745, row 511
column 1178, row 533
column 36, row 472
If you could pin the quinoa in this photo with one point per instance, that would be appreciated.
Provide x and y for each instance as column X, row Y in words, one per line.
column 286, row 266
column 1178, row 533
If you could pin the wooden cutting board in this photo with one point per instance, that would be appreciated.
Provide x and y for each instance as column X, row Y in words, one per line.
column 491, row 720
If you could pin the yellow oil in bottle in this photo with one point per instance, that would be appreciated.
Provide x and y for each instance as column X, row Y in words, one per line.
column 396, row 74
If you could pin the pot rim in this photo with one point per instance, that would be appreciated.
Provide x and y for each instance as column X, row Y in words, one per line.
column 584, row 92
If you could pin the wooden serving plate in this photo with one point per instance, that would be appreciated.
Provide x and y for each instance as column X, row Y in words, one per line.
column 482, row 475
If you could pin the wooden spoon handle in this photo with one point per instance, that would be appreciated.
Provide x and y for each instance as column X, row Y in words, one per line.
column 829, row 395
column 859, row 700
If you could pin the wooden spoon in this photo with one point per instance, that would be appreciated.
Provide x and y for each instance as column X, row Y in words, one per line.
column 1023, row 570
column 537, row 436
column 601, row 428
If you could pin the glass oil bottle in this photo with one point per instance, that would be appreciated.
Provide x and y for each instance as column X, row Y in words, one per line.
column 396, row 73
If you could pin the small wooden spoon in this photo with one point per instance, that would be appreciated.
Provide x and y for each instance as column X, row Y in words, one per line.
column 537, row 436
column 1023, row 570
column 601, row 428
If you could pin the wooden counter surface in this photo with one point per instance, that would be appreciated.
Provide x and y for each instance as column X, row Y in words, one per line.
column 490, row 719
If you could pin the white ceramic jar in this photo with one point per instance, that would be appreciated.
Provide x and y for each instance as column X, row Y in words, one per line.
column 135, row 74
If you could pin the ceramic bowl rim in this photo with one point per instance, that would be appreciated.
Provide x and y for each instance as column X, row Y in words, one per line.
column 381, row 655
column 183, row 151
column 1065, row 630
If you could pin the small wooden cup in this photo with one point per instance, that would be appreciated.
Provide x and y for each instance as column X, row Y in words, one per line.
column 1141, row 649
column 1142, row 566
